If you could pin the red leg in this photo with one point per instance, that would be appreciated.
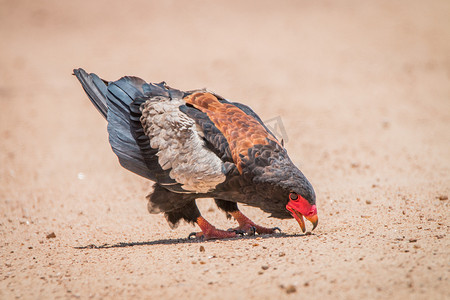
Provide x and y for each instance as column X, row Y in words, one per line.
column 247, row 225
column 210, row 232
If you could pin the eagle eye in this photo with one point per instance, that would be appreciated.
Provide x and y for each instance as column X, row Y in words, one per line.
column 293, row 196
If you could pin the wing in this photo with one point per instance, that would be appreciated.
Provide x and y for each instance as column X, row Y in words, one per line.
column 113, row 101
column 123, row 132
column 251, row 113
column 167, row 140
column 185, row 141
column 213, row 137
column 180, row 145
column 241, row 130
column 246, row 109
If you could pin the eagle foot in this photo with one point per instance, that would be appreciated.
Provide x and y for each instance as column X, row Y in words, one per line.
column 275, row 229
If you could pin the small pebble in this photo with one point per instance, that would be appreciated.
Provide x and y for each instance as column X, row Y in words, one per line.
column 443, row 197
column 265, row 267
column 202, row 249
column 291, row 289
column 412, row 240
column 51, row 235
column 368, row 202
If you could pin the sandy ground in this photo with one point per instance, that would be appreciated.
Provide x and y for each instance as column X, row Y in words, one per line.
column 363, row 90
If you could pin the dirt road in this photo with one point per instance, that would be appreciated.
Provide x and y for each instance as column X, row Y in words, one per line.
column 363, row 90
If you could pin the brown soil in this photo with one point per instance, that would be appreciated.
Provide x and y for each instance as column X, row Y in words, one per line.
column 362, row 88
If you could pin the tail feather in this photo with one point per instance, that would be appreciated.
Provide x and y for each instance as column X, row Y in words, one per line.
column 95, row 88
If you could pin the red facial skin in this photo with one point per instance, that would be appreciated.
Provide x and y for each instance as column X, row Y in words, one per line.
column 299, row 208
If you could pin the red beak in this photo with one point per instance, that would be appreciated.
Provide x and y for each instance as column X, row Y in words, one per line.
column 301, row 208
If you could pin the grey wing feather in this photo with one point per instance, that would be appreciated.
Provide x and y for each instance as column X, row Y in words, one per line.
column 122, row 141
column 112, row 102
column 95, row 88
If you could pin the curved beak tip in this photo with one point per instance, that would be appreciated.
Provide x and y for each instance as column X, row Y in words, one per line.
column 301, row 222
column 302, row 226
column 314, row 220
column 300, row 219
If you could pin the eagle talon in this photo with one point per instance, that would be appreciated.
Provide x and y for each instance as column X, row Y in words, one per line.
column 239, row 231
column 252, row 230
column 192, row 234
column 275, row 229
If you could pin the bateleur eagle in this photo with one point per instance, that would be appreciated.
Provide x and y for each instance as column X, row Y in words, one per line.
column 196, row 144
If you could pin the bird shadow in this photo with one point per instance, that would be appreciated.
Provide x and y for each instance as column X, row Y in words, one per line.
column 188, row 241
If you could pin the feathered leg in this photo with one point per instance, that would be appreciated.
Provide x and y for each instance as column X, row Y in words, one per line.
column 245, row 224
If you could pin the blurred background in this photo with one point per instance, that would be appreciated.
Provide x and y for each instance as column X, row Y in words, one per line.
column 362, row 89
column 330, row 70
